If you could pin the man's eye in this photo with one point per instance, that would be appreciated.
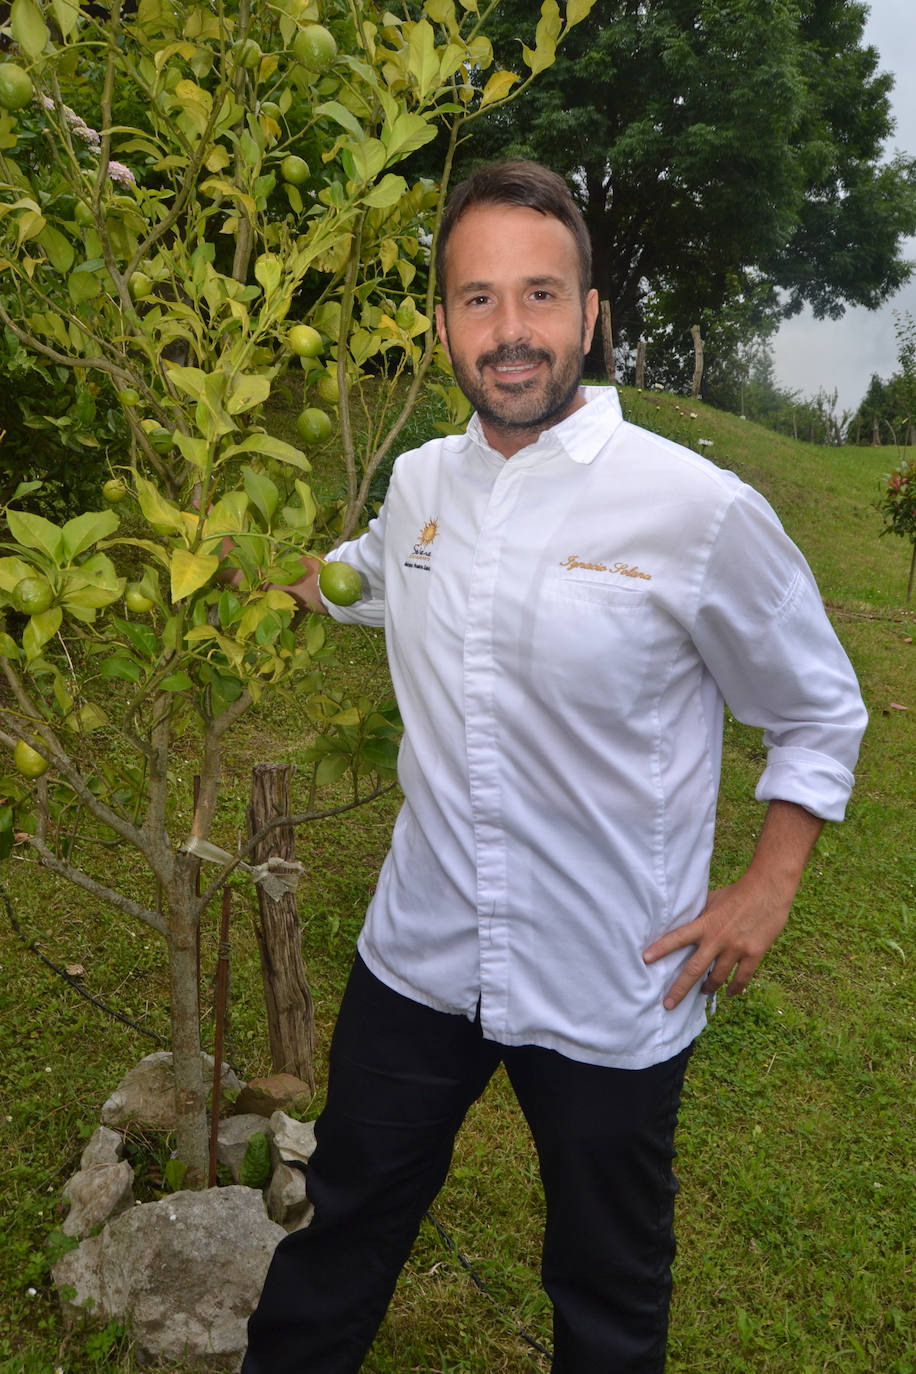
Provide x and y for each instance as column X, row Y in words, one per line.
column 542, row 295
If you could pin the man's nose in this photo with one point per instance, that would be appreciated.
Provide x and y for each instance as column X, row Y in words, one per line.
column 511, row 323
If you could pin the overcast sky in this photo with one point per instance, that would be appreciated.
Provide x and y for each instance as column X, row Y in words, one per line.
column 812, row 355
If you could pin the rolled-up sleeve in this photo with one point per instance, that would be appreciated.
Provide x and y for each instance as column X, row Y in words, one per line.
column 763, row 632
column 367, row 555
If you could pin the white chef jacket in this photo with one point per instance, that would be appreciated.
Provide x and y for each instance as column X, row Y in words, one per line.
column 562, row 628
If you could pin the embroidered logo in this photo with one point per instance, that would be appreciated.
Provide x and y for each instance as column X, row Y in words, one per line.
column 421, row 557
column 617, row 568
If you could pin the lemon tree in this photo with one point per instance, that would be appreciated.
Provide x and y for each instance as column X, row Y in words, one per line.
column 163, row 258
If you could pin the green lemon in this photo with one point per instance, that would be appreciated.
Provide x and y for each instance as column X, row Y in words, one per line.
column 328, row 388
column 340, row 583
column 139, row 286
column 305, row 341
column 16, row 86
column 128, row 396
column 136, row 600
column 32, row 595
column 294, row 169
column 314, row 425
column 29, row 762
column 247, row 53
column 114, row 490
column 315, row 47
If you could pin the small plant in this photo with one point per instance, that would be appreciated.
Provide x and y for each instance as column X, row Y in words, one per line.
column 897, row 505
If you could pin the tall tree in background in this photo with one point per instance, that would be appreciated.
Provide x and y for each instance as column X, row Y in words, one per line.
column 722, row 153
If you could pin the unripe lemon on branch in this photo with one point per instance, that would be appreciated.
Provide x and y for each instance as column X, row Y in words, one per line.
column 28, row 761
column 305, row 341
column 16, row 86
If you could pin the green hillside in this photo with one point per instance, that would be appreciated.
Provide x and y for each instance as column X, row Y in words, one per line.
column 798, row 1205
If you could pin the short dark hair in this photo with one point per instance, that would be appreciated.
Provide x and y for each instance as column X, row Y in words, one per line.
column 522, row 183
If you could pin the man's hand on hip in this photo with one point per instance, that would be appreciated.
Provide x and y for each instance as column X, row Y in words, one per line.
column 741, row 921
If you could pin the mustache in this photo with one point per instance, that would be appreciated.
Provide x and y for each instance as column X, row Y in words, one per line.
column 511, row 356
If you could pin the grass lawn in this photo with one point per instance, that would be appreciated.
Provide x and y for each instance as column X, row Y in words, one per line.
column 798, row 1206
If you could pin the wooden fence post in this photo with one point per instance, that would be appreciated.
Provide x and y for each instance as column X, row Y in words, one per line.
column 698, row 361
column 641, row 365
column 290, row 1011
column 607, row 342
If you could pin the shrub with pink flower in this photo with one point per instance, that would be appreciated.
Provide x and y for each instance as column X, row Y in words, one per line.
column 897, row 505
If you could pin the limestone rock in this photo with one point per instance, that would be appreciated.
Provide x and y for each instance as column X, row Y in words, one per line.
column 184, row 1273
column 292, row 1140
column 104, row 1147
column 95, row 1194
column 287, row 1202
column 232, row 1140
column 146, row 1093
column 264, row 1096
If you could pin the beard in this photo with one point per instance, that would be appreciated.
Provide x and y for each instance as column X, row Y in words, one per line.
column 535, row 404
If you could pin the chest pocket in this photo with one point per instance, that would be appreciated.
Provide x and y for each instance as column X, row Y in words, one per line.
column 592, row 643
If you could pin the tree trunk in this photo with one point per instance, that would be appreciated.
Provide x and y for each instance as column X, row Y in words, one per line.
column 190, row 1094
column 290, row 1012
column 607, row 342
column 698, row 361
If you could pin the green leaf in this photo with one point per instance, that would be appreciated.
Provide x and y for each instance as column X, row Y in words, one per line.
column 7, row 834
column 155, row 508
column 258, row 442
column 342, row 116
column 121, row 667
column 577, row 10
column 262, row 493
column 85, row 530
column 39, row 630
column 58, row 248
column 498, row 87
column 190, row 572
column 249, row 390
column 66, row 15
column 388, row 192
column 422, row 61
column 176, row 682
column 35, row 532
column 255, row 1170
column 331, row 768
column 29, row 28
column 406, row 134
column 268, row 271
column 197, row 451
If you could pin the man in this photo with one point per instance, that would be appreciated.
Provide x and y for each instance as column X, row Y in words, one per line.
column 567, row 601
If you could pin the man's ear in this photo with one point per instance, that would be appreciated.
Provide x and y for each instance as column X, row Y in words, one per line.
column 590, row 314
column 442, row 330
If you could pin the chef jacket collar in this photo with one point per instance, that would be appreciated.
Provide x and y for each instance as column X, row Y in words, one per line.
column 581, row 435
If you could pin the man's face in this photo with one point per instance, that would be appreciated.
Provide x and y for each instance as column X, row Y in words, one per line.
column 513, row 323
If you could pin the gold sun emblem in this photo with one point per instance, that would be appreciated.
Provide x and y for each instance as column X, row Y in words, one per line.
column 429, row 532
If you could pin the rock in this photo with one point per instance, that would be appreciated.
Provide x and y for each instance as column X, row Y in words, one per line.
column 146, row 1094
column 292, row 1140
column 264, row 1096
column 95, row 1194
column 183, row 1273
column 232, row 1140
column 104, row 1147
column 287, row 1202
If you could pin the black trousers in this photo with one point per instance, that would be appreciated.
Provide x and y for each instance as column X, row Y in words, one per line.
column 401, row 1080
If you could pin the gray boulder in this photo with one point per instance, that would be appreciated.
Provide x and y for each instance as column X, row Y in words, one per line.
column 104, row 1147
column 183, row 1273
column 146, row 1093
column 95, row 1194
